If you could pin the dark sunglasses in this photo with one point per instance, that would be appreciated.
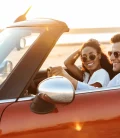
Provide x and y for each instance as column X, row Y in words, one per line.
column 91, row 57
column 115, row 53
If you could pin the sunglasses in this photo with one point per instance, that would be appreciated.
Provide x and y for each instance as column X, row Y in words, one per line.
column 91, row 57
column 115, row 53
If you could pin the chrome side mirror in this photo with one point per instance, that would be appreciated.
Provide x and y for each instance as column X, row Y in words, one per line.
column 52, row 90
column 58, row 89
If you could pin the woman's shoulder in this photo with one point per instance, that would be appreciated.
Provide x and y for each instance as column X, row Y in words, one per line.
column 101, row 71
column 101, row 76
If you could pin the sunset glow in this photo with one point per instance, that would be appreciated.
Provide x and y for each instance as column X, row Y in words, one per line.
column 76, row 13
column 78, row 126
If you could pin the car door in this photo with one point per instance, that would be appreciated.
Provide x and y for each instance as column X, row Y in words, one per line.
column 93, row 114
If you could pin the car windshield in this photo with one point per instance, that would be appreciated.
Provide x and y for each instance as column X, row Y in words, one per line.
column 14, row 43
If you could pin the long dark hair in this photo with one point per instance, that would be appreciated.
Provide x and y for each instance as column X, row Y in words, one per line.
column 104, row 61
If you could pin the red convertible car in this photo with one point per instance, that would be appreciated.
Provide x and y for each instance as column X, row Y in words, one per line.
column 23, row 111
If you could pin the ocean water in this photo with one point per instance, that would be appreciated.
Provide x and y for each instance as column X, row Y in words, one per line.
column 79, row 38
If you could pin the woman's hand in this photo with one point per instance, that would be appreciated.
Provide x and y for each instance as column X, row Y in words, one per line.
column 59, row 71
column 72, row 67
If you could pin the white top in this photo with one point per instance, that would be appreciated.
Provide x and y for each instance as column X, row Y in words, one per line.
column 101, row 76
column 115, row 81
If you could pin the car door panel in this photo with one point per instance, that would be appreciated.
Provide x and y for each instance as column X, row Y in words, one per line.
column 89, row 115
column 28, row 124
column 2, row 107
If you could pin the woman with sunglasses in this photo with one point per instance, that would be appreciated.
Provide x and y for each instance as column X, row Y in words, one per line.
column 96, row 69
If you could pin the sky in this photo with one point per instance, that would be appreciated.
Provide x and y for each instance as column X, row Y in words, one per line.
column 76, row 13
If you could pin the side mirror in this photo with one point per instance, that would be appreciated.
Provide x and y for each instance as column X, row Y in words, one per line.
column 58, row 89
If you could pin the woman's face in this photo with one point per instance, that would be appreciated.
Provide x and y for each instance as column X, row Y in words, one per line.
column 90, row 58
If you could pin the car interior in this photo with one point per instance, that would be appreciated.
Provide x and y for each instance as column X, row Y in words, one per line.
column 43, row 72
column 61, row 52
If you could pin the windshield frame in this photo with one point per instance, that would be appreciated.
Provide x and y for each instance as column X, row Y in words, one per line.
column 16, row 84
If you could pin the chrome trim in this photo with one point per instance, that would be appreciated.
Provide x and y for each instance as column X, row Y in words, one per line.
column 76, row 92
column 19, row 100
column 7, row 101
column 96, row 90
column 26, row 98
